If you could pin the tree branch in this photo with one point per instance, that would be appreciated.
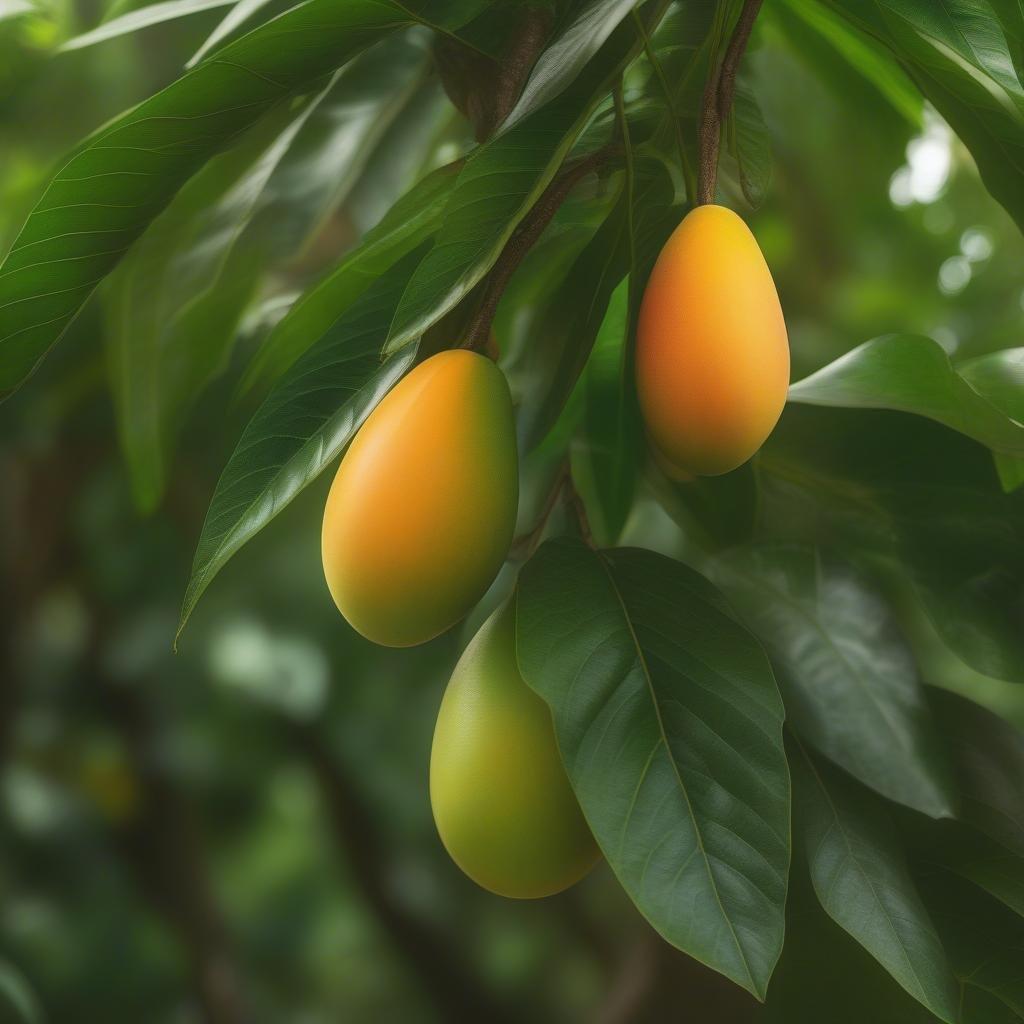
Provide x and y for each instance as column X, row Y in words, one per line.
column 717, row 100
column 524, row 238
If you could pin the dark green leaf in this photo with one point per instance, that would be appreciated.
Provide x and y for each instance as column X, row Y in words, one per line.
column 558, row 66
column 305, row 422
column 18, row 1003
column 989, row 758
column 911, row 374
column 861, row 878
column 985, row 944
column 143, row 17
column 239, row 14
column 750, row 144
column 116, row 183
column 960, row 57
column 670, row 726
column 499, row 184
column 410, row 222
column 846, row 673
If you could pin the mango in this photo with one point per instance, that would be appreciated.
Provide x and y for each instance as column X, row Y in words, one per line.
column 712, row 353
column 423, row 507
column 502, row 801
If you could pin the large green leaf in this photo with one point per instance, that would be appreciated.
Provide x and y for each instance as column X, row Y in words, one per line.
column 240, row 13
column 116, row 183
column 919, row 500
column 410, row 222
column 911, row 374
column 989, row 758
column 958, row 53
column 566, row 57
column 999, row 376
column 861, row 878
column 985, row 944
column 670, row 726
column 500, row 183
column 305, row 422
column 143, row 17
column 846, row 673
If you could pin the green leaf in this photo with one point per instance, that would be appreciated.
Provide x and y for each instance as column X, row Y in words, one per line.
column 979, row 859
column 497, row 187
column 862, row 53
column 143, row 17
column 989, row 758
column 670, row 726
column 911, row 374
column 116, row 183
column 999, row 376
column 985, row 944
column 305, row 422
column 562, row 61
column 750, row 144
column 958, row 54
column 922, row 503
column 846, row 673
column 410, row 222
column 861, row 878
column 239, row 14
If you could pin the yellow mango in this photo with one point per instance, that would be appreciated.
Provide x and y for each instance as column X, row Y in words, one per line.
column 712, row 355
column 502, row 802
column 423, row 507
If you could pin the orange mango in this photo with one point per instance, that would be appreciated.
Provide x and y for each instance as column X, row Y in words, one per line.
column 502, row 801
column 423, row 507
column 712, row 355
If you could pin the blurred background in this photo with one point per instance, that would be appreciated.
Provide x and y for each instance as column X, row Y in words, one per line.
column 241, row 831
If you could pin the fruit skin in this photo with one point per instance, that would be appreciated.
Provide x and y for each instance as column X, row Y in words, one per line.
column 502, row 802
column 712, row 355
column 423, row 507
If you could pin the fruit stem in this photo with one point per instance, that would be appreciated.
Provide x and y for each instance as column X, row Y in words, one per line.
column 717, row 101
column 576, row 503
column 523, row 239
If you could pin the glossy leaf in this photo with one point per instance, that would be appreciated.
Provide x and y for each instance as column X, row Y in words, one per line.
column 861, row 878
column 670, row 726
column 911, row 374
column 959, row 55
column 305, row 422
column 564, row 59
column 499, row 184
column 119, row 180
column 142, row 17
column 240, row 13
column 1000, row 378
column 846, row 673
column 410, row 222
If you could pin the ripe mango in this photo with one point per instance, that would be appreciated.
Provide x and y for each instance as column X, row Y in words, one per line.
column 423, row 507
column 712, row 355
column 502, row 802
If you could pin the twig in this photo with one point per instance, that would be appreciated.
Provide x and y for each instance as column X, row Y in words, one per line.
column 524, row 238
column 523, row 547
column 717, row 100
column 576, row 502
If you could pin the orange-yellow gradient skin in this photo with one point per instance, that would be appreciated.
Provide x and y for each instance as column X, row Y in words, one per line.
column 712, row 357
column 423, row 507
column 502, row 802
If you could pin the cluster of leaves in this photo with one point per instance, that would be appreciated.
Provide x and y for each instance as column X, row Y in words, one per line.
column 691, row 698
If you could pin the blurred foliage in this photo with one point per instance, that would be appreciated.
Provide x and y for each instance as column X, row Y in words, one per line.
column 241, row 830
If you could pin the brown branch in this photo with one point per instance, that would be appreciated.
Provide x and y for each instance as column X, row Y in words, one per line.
column 524, row 238
column 580, row 510
column 717, row 100
column 524, row 546
column 450, row 983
